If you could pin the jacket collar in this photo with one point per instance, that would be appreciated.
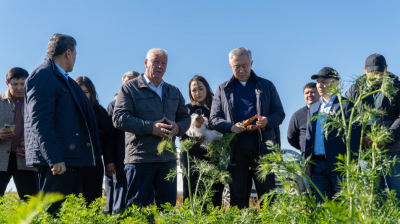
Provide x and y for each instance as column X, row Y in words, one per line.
column 5, row 95
column 49, row 61
column 141, row 82
column 252, row 76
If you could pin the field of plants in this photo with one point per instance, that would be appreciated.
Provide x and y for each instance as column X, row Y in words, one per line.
column 361, row 200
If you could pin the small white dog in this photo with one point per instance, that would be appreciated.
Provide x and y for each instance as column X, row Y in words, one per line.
column 199, row 128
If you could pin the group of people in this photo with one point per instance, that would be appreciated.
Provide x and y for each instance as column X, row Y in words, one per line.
column 64, row 140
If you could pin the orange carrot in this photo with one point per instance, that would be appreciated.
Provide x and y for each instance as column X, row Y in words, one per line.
column 248, row 121
column 253, row 127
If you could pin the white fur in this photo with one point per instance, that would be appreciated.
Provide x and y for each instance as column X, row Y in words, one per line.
column 203, row 131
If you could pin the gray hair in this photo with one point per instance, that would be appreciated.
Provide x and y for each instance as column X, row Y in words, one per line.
column 60, row 43
column 157, row 51
column 129, row 74
column 239, row 52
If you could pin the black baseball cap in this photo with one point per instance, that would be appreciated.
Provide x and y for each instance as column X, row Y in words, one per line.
column 375, row 62
column 326, row 73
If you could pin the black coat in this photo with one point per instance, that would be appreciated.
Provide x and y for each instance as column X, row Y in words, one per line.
column 118, row 148
column 296, row 133
column 106, row 134
column 392, row 116
column 222, row 115
column 60, row 124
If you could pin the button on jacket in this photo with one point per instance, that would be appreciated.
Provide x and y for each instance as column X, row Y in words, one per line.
column 137, row 107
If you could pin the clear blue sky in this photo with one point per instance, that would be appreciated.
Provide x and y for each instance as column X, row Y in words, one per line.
column 290, row 40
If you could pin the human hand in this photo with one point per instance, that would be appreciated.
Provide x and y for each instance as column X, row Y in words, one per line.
column 59, row 168
column 21, row 149
column 237, row 128
column 5, row 134
column 110, row 169
column 161, row 129
column 263, row 121
column 175, row 128
column 368, row 143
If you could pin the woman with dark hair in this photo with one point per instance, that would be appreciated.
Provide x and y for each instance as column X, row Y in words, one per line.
column 200, row 96
column 92, row 181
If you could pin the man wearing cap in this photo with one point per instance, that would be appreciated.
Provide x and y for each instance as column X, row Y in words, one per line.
column 324, row 151
column 375, row 65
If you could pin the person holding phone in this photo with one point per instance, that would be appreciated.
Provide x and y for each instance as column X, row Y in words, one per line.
column 12, row 147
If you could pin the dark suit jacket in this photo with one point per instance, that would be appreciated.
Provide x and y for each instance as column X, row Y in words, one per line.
column 118, row 146
column 60, row 124
column 335, row 144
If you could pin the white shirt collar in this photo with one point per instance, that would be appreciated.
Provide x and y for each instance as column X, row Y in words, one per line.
column 147, row 80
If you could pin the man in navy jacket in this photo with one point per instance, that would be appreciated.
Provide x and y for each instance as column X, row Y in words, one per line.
column 61, row 133
column 324, row 151
column 236, row 100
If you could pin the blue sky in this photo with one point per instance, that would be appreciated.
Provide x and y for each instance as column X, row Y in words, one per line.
column 290, row 40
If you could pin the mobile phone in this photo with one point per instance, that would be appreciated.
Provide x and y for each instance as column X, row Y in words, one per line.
column 9, row 127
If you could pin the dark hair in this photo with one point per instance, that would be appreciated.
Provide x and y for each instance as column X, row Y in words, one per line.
column 210, row 94
column 310, row 85
column 16, row 73
column 85, row 81
column 60, row 43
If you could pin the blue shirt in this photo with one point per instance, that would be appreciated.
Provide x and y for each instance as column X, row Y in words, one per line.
column 319, row 145
column 157, row 89
column 65, row 74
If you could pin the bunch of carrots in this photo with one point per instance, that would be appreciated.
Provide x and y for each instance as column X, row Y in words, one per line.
column 246, row 123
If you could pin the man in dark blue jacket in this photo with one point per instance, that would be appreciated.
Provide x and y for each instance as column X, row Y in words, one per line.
column 236, row 100
column 61, row 133
column 324, row 151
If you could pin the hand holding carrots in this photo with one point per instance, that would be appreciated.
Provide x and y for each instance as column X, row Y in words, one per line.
column 238, row 128
column 263, row 121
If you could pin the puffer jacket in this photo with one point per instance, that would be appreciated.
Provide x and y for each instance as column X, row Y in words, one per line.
column 136, row 108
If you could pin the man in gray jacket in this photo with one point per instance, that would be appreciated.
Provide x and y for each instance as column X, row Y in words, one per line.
column 12, row 154
column 148, row 110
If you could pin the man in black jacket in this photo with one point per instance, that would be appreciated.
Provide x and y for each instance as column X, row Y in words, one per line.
column 236, row 100
column 61, row 134
column 375, row 65
column 298, row 122
column 115, row 179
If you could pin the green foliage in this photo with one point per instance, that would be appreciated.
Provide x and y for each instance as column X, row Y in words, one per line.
column 219, row 151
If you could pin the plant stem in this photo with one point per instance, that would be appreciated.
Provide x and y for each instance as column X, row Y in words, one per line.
column 188, row 178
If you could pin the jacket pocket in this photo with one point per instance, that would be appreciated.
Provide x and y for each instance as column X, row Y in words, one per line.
column 144, row 103
column 68, row 141
column 171, row 104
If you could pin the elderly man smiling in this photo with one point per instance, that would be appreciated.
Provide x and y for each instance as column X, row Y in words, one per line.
column 236, row 100
column 148, row 110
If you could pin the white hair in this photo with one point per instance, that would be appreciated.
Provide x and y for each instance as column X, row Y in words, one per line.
column 156, row 51
column 129, row 74
column 239, row 52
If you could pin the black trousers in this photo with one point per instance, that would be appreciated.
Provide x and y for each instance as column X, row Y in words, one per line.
column 194, row 177
column 245, row 160
column 92, row 181
column 67, row 183
column 25, row 180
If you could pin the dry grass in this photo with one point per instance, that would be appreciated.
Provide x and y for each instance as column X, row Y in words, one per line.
column 253, row 202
